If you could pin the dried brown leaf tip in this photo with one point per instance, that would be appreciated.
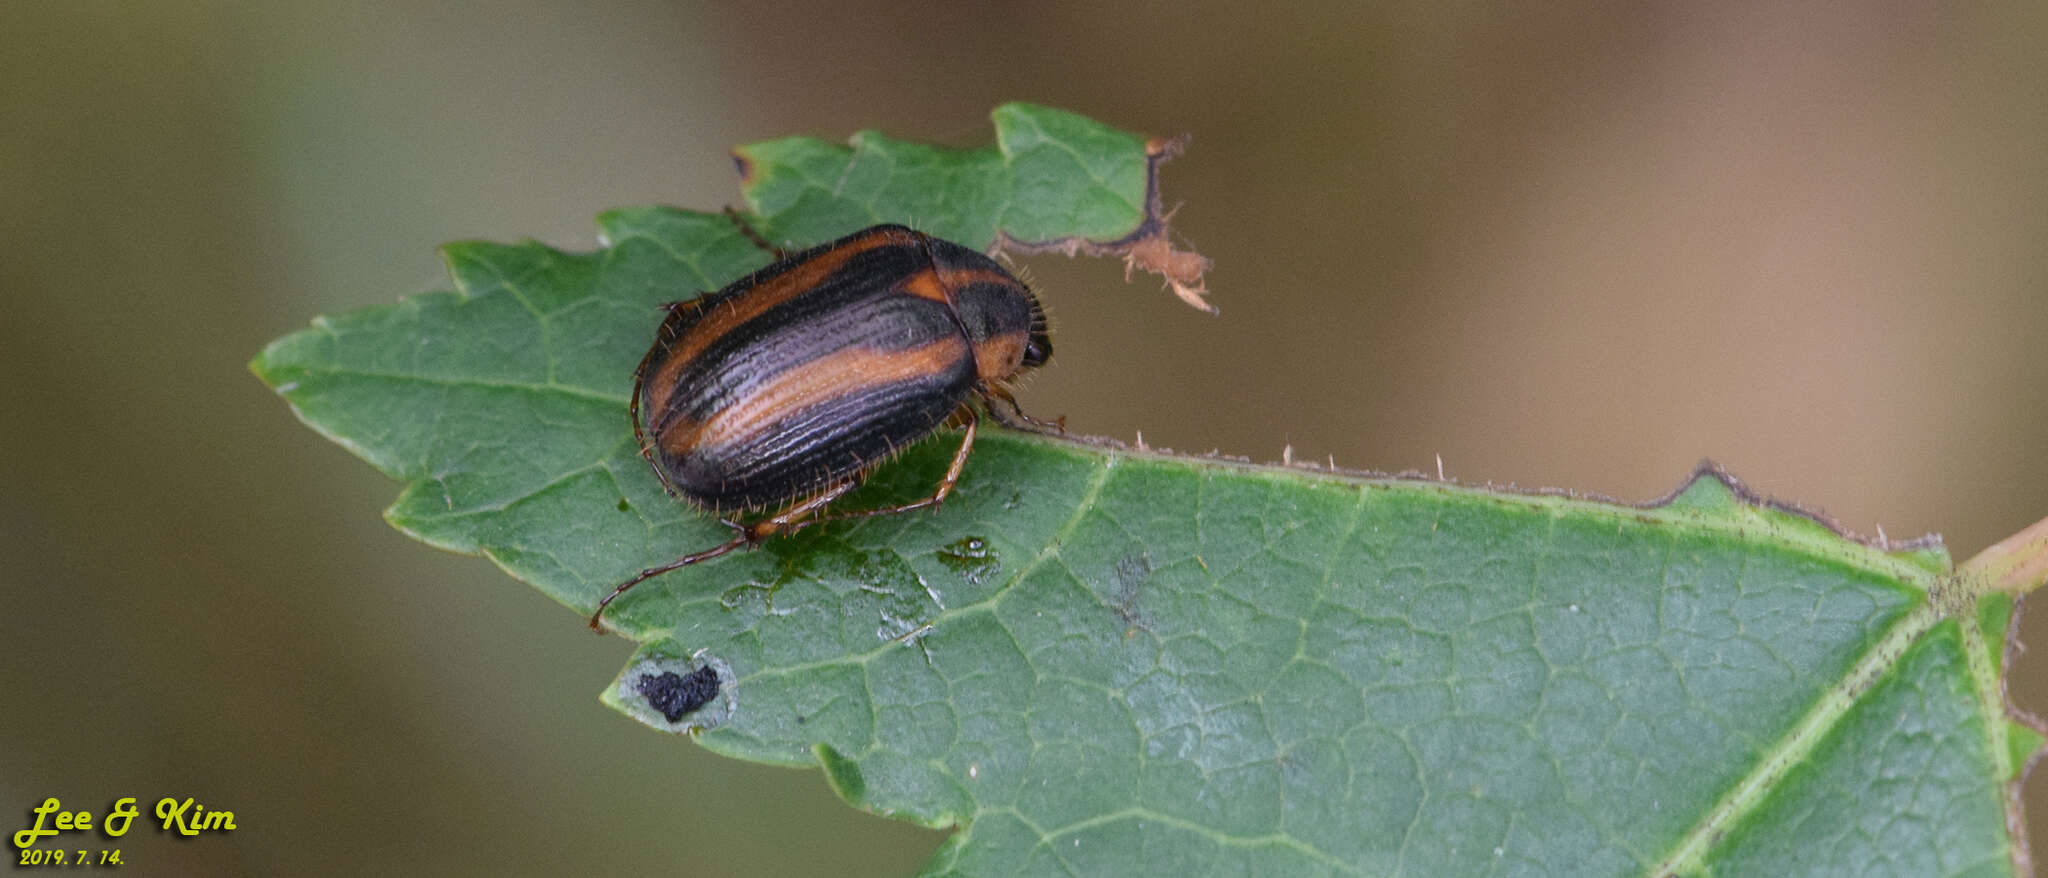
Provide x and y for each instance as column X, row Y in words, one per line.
column 1149, row 247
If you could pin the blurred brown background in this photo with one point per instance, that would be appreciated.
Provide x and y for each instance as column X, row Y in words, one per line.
column 1575, row 244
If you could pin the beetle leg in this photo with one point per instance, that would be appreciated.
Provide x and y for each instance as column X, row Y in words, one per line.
column 597, row 616
column 754, row 236
column 991, row 394
column 800, row 515
column 792, row 518
column 939, row 496
column 797, row 516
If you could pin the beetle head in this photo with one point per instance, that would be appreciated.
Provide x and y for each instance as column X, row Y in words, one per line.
column 1038, row 348
column 1005, row 325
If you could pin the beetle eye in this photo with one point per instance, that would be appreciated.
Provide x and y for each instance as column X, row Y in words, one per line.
column 1038, row 349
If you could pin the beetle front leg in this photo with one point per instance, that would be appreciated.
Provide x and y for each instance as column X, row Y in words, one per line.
column 989, row 395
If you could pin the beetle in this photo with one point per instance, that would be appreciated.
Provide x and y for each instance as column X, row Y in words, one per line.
column 785, row 389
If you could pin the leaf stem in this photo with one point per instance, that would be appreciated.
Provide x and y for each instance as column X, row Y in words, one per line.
column 2017, row 564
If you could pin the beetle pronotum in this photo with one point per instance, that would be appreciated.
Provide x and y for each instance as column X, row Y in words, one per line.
column 784, row 389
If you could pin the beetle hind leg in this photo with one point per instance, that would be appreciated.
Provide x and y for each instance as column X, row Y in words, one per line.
column 803, row 514
column 792, row 518
column 597, row 616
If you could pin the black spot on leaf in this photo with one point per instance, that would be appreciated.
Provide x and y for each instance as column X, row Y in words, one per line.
column 678, row 695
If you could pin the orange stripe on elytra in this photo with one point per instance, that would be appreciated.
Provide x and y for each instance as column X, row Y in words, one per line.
column 825, row 378
column 654, row 394
column 938, row 284
column 925, row 285
column 756, row 300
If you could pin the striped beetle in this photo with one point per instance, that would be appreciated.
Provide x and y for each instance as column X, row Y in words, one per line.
column 786, row 388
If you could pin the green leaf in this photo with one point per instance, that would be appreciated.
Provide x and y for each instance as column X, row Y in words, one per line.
column 1050, row 175
column 1103, row 660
